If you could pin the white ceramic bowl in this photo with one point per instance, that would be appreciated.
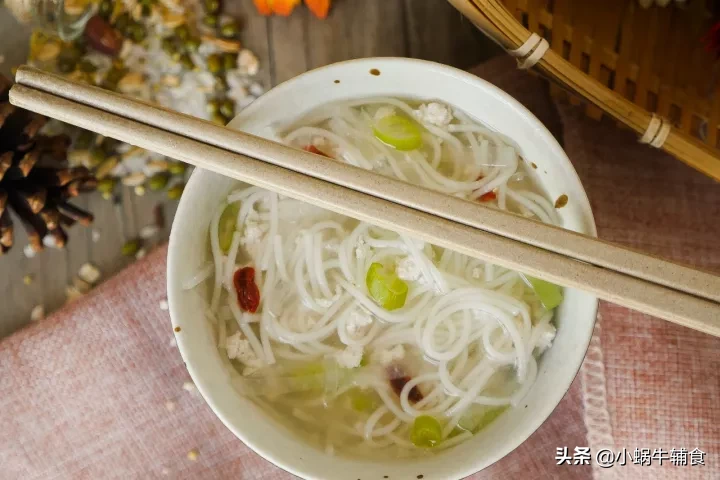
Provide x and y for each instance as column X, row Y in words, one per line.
column 188, row 246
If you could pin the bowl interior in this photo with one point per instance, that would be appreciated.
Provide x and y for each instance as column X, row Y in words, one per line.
column 360, row 79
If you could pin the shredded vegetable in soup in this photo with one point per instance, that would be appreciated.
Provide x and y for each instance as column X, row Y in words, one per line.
column 365, row 341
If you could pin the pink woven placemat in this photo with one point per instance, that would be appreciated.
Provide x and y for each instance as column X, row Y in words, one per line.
column 96, row 390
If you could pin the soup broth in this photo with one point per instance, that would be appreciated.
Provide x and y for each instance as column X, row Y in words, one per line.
column 365, row 341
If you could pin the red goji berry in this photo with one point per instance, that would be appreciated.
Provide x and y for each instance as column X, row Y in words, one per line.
column 487, row 197
column 315, row 150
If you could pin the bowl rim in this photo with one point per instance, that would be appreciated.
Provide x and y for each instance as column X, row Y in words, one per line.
column 196, row 181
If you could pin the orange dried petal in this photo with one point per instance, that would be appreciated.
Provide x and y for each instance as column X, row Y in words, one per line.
column 263, row 6
column 284, row 7
column 319, row 8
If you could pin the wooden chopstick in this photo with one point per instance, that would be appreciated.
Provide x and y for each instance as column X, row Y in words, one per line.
column 669, row 304
column 548, row 237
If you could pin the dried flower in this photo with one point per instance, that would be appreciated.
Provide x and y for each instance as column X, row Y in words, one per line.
column 319, row 8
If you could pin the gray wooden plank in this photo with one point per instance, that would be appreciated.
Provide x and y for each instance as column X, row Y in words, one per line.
column 328, row 41
column 438, row 32
column 129, row 209
column 288, row 42
column 168, row 210
column 379, row 29
column 254, row 35
column 19, row 299
column 79, row 245
column 144, row 211
column 54, row 265
column 15, row 45
column 110, row 224
column 356, row 30
column 59, row 266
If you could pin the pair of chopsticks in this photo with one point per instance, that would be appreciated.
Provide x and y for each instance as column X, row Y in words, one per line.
column 651, row 285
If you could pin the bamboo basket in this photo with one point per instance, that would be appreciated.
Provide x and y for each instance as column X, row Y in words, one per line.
column 646, row 68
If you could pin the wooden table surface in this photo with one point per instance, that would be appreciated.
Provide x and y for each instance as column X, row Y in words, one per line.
column 427, row 29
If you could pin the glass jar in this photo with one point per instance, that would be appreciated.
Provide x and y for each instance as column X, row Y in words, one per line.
column 64, row 18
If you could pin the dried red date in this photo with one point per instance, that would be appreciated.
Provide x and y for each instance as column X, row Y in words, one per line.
column 101, row 36
column 398, row 379
column 248, row 293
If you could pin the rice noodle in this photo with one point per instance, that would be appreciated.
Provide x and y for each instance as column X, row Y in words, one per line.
column 202, row 275
column 464, row 336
